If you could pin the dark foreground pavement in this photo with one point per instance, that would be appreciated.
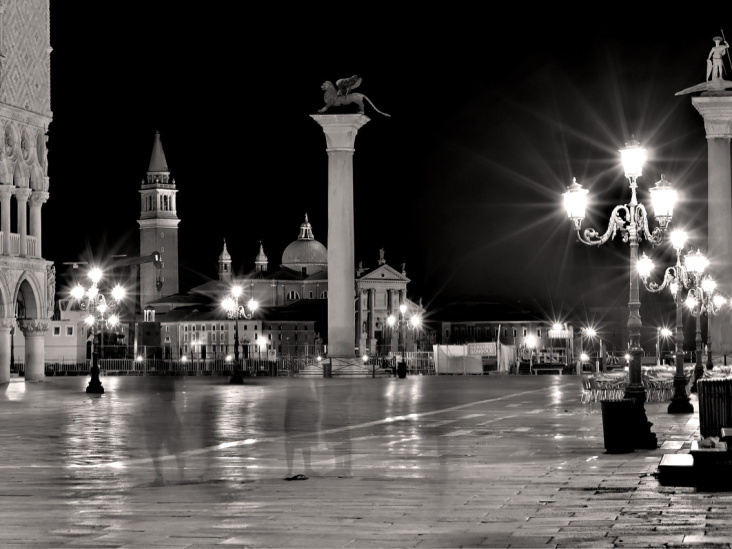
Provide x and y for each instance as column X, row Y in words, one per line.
column 464, row 461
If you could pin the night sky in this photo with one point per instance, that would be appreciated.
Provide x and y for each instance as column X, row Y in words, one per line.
column 491, row 117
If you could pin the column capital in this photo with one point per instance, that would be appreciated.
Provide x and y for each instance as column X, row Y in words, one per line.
column 22, row 193
column 33, row 326
column 38, row 197
column 340, row 129
column 717, row 113
column 6, row 324
column 6, row 191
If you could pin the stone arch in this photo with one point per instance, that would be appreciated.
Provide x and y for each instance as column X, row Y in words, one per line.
column 21, row 175
column 41, row 151
column 11, row 137
column 6, row 302
column 28, row 296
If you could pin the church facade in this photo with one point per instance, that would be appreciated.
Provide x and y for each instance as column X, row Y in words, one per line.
column 27, row 280
column 292, row 315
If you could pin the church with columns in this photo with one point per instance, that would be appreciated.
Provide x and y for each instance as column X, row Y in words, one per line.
column 27, row 280
column 291, row 318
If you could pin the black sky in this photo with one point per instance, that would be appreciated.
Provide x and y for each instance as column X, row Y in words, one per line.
column 492, row 116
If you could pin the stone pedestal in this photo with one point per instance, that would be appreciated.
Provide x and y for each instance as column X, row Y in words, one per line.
column 340, row 136
column 716, row 109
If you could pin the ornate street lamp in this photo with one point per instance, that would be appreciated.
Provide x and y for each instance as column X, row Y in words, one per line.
column 237, row 311
column 414, row 321
column 102, row 312
column 631, row 221
column 676, row 278
column 702, row 299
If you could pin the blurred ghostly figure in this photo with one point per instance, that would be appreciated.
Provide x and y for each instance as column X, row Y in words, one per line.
column 337, row 415
column 162, row 427
column 302, row 423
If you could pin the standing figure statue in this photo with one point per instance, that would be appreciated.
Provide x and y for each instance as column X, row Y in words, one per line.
column 50, row 290
column 714, row 61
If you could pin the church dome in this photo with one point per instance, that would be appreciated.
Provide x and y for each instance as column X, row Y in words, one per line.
column 305, row 253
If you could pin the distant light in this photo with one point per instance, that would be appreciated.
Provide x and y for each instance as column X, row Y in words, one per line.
column 584, row 357
column 139, row 358
column 365, row 358
column 665, row 332
column 228, row 358
column 531, row 341
column 644, row 266
column 590, row 332
column 95, row 274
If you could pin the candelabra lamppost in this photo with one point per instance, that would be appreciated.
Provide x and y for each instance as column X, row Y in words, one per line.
column 631, row 221
column 676, row 278
column 102, row 312
column 402, row 324
column 237, row 311
column 702, row 299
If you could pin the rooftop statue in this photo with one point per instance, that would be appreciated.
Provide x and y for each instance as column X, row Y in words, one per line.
column 715, row 69
column 343, row 95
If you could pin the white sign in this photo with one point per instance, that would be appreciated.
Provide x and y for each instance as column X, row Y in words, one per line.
column 559, row 334
column 482, row 349
column 271, row 355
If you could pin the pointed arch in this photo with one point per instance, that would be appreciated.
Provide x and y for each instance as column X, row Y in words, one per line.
column 30, row 295
column 6, row 301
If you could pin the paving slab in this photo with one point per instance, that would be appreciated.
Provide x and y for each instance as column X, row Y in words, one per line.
column 447, row 461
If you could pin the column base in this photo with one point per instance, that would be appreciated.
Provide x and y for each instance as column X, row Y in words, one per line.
column 95, row 387
column 680, row 405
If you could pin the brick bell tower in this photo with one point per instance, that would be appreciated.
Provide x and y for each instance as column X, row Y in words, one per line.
column 158, row 229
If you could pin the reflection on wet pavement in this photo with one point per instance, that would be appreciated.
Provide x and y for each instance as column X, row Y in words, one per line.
column 196, row 461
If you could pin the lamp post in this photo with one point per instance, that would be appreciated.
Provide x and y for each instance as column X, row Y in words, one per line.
column 102, row 311
column 402, row 324
column 703, row 300
column 631, row 220
column 236, row 311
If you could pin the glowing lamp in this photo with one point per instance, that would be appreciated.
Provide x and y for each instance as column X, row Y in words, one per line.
column 365, row 358
column 719, row 300
column 236, row 291
column 584, row 357
column 696, row 262
column 391, row 320
column 95, row 274
column 228, row 304
column 663, row 198
column 575, row 200
column 118, row 292
column 678, row 239
column 691, row 301
column 665, row 332
column 633, row 157
column 89, row 320
column 113, row 320
column 253, row 304
column 590, row 332
column 415, row 321
column 402, row 308
column 674, row 287
column 708, row 285
column 644, row 266
column 531, row 342
column 78, row 291
column 92, row 292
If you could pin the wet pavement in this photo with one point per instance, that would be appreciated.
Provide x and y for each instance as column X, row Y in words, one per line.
column 448, row 461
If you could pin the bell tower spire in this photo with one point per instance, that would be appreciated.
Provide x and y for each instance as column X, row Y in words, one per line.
column 158, row 228
column 225, row 265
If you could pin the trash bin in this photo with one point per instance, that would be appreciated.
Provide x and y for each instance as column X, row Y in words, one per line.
column 327, row 369
column 402, row 370
column 616, row 422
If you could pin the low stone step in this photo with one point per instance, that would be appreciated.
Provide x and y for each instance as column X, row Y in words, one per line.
column 676, row 470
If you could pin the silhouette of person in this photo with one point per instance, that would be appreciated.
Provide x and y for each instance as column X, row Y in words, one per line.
column 162, row 427
column 302, row 422
column 714, row 61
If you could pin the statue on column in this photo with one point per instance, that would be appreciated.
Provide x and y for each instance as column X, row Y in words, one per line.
column 343, row 96
column 716, row 56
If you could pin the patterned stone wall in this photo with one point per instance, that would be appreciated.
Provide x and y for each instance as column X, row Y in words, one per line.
column 25, row 49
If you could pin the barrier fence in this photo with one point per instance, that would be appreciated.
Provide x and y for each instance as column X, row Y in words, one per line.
column 418, row 363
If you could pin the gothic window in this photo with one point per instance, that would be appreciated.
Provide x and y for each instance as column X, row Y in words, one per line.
column 324, row 295
column 524, row 331
column 538, row 332
column 514, row 332
column 293, row 295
